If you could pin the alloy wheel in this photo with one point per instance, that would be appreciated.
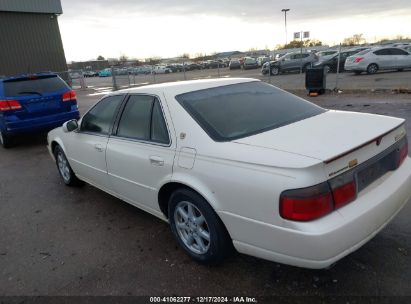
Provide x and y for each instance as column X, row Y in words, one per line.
column 192, row 227
column 63, row 166
column 275, row 71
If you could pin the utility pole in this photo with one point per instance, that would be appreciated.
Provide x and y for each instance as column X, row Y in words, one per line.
column 285, row 10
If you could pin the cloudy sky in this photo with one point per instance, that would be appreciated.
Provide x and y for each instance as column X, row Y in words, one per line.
column 168, row 28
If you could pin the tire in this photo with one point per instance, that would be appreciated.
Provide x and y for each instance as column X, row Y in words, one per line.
column 200, row 233
column 64, row 169
column 5, row 140
column 400, row 70
column 275, row 71
column 372, row 68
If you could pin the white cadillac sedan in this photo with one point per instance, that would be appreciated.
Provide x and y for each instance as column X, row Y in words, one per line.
column 238, row 162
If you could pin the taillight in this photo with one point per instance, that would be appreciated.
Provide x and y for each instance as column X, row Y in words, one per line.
column 311, row 203
column 359, row 59
column 306, row 204
column 343, row 188
column 69, row 96
column 9, row 105
column 403, row 152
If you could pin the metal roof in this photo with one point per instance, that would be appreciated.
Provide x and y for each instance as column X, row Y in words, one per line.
column 31, row 6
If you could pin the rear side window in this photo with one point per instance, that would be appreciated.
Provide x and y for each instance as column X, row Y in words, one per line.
column 143, row 119
column 135, row 121
column 159, row 131
column 35, row 86
column 383, row 52
column 100, row 118
column 240, row 110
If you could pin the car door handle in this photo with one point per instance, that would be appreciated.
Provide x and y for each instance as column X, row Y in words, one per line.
column 99, row 147
column 156, row 161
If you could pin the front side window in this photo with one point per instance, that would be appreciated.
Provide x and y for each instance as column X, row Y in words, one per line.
column 100, row 118
column 143, row 119
column 240, row 110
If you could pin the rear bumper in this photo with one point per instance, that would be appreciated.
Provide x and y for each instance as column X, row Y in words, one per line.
column 311, row 245
column 355, row 67
column 16, row 126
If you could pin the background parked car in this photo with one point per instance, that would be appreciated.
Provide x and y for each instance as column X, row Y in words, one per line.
column 144, row 69
column 380, row 58
column 290, row 62
column 36, row 102
column 105, row 73
column 161, row 69
column 263, row 59
column 330, row 63
column 90, row 74
column 326, row 53
column 250, row 63
column 234, row 64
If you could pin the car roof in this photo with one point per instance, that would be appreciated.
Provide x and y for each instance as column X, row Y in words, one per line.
column 180, row 87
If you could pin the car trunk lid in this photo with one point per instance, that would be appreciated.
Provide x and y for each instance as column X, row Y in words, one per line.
column 341, row 140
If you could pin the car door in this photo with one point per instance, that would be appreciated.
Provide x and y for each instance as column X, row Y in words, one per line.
column 140, row 152
column 384, row 59
column 87, row 146
column 287, row 62
column 403, row 58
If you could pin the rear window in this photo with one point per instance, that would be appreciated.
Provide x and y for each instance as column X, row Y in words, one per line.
column 240, row 110
column 38, row 86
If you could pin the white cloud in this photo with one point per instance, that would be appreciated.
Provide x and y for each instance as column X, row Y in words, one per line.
column 157, row 28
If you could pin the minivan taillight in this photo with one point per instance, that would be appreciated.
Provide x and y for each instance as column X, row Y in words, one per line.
column 69, row 96
column 9, row 105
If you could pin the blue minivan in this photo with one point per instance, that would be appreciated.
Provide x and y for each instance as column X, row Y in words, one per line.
column 30, row 103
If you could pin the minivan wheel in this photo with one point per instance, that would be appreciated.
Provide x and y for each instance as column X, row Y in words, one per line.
column 197, row 228
column 65, row 171
column 372, row 68
column 5, row 140
column 275, row 71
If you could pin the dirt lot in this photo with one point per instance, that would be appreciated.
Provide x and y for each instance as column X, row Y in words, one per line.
column 57, row 240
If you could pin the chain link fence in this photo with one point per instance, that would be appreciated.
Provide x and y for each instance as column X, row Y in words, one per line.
column 122, row 77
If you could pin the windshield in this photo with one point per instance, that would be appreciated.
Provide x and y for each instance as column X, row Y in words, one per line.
column 240, row 110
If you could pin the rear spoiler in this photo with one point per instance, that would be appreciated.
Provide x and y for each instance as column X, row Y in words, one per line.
column 29, row 77
column 377, row 140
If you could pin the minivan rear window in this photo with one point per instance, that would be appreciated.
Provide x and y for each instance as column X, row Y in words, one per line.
column 240, row 110
column 33, row 86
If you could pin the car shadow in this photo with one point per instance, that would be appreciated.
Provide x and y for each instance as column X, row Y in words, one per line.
column 29, row 140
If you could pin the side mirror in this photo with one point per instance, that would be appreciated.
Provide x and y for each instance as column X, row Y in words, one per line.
column 70, row 126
